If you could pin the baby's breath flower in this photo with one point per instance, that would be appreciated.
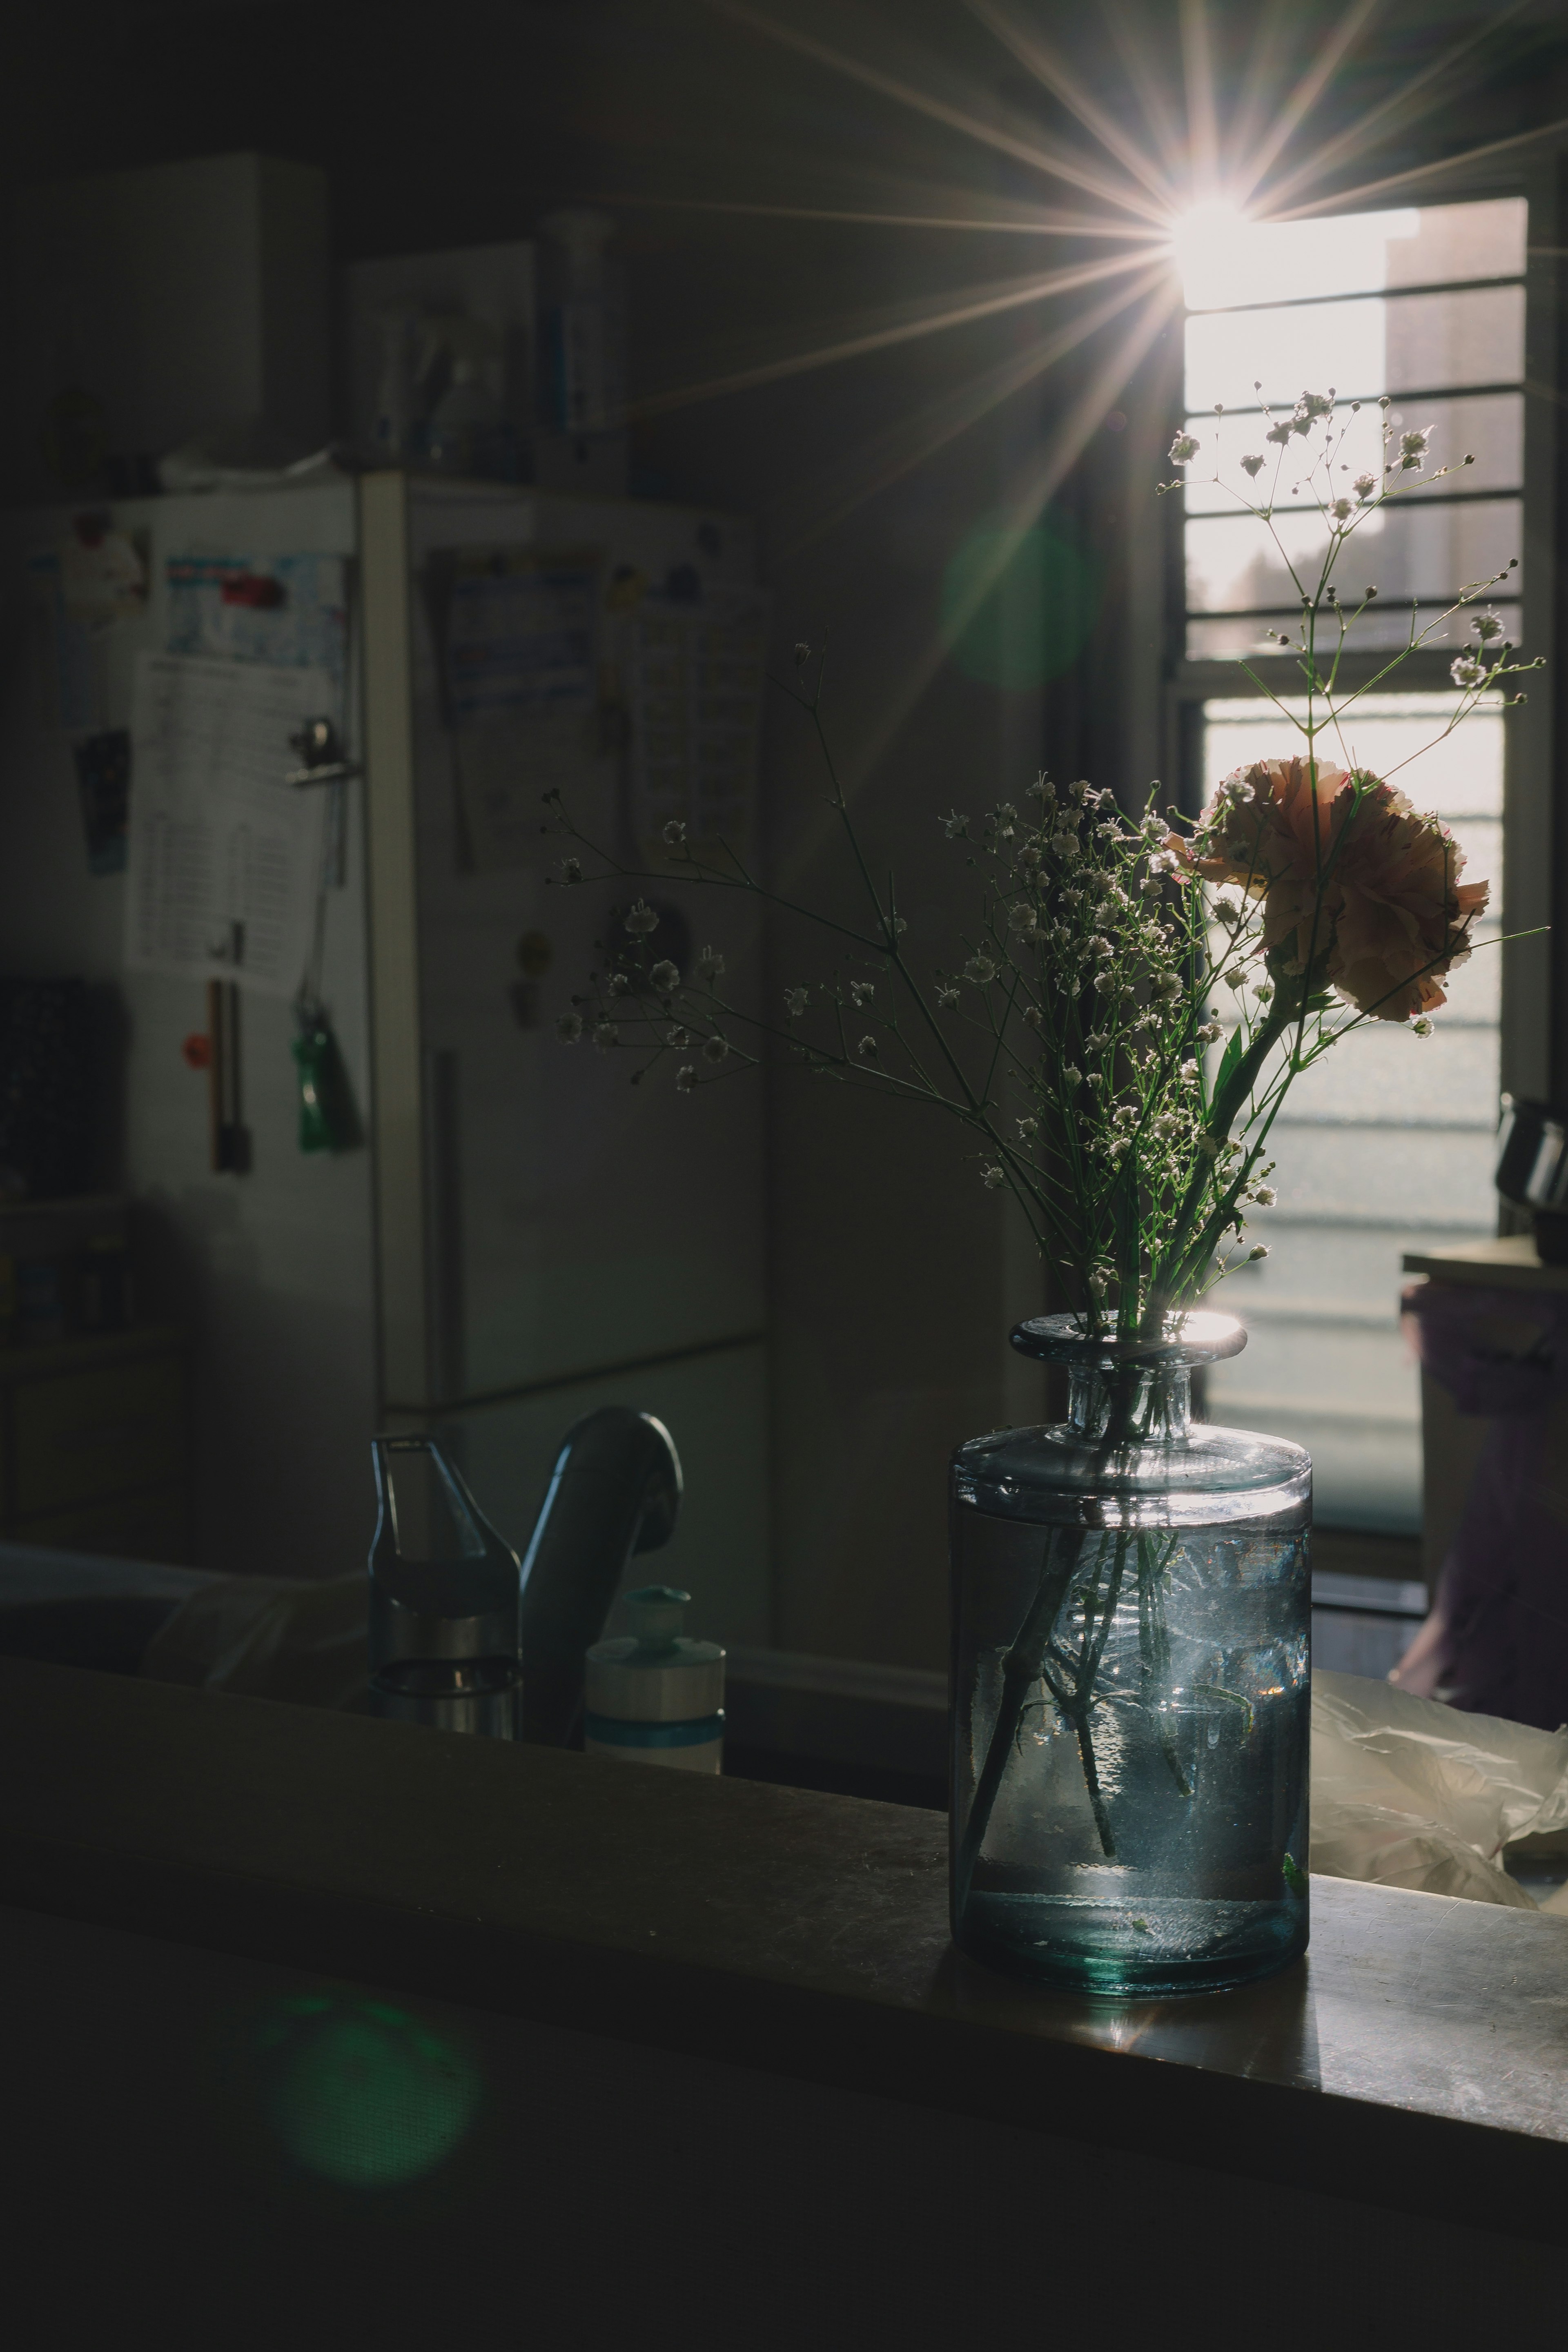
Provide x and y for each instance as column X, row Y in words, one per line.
column 1486, row 625
column 1022, row 918
column 1258, row 1249
column 1028, row 1126
column 709, row 964
column 685, row 1079
column 1265, row 1195
column 1263, row 990
column 867, row 1049
column 1343, row 510
column 1184, row 449
column 677, row 1036
column 605, row 1034
column 1466, row 671
column 1412, row 446
column 954, row 824
column 715, row 1048
column 947, row 996
column 861, row 991
column 616, row 982
column 1072, row 1074
column 1422, row 1028
column 1253, row 466
column 795, row 1002
column 992, row 1178
column 664, row 977
column 1365, row 486
column 569, row 1028
column 675, row 832
column 1210, row 1034
column 980, row 969
column 641, row 920
column 571, row 869
column 1032, row 1012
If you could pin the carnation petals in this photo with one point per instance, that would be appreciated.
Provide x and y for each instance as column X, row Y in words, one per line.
column 1386, row 921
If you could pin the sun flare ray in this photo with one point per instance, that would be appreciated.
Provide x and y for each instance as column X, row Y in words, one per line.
column 875, row 464
column 1021, row 511
column 1309, row 90
column 1049, row 70
column 1260, row 84
column 1345, row 200
column 933, row 322
column 1203, row 119
column 1358, row 136
column 1051, row 163
column 1134, row 49
column 1043, row 223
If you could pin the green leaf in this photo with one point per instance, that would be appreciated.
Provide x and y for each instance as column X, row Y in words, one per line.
column 1294, row 1875
column 1229, row 1058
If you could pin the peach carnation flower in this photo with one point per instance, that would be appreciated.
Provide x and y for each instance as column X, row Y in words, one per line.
column 1272, row 833
column 1404, row 917
column 1354, row 880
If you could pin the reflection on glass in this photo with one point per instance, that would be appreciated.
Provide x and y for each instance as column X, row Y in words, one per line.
column 1388, row 1146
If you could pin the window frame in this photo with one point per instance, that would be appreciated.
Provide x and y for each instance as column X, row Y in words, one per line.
column 1533, row 1029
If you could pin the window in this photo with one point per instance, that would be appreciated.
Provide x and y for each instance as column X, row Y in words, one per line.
column 1389, row 1144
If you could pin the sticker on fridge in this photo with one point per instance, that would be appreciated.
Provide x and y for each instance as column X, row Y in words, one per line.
column 288, row 611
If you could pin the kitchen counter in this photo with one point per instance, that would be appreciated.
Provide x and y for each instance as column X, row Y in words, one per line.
column 1418, row 2059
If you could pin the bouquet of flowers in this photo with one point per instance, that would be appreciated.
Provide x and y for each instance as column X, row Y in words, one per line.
column 1078, row 1031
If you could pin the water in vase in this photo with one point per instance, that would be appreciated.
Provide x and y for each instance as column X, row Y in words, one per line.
column 1131, row 1706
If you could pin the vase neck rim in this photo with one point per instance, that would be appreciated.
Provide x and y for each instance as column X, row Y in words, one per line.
column 1183, row 1340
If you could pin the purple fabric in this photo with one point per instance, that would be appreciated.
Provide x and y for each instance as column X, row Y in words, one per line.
column 1503, row 1592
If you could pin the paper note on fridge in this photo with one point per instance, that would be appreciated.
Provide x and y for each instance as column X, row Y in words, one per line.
column 224, row 857
column 696, row 695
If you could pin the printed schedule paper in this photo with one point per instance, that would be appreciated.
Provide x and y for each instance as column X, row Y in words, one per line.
column 224, row 857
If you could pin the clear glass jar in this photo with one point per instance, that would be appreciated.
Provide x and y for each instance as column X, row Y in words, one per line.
column 1132, row 1696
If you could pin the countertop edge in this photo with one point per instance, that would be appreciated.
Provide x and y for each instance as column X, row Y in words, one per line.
column 1327, row 2143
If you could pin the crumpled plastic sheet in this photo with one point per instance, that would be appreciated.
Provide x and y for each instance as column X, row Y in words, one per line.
column 1409, row 1792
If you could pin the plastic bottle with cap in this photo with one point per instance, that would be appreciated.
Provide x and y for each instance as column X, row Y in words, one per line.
column 654, row 1696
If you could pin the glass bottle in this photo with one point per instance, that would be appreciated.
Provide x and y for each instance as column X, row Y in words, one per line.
column 1131, row 1701
column 444, row 1595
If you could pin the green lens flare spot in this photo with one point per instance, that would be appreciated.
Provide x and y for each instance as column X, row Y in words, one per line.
column 362, row 2094
column 1017, row 606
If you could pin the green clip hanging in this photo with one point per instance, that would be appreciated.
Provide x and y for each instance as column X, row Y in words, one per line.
column 327, row 1118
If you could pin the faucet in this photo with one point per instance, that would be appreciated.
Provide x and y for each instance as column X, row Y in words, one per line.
column 464, row 1636
column 615, row 1491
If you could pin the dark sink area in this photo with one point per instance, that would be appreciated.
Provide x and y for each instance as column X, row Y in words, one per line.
column 108, row 1631
column 865, row 1757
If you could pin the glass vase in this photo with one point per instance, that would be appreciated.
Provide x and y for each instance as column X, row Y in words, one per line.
column 1132, row 1696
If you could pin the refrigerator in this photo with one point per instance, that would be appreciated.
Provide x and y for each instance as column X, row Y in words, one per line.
column 523, row 1233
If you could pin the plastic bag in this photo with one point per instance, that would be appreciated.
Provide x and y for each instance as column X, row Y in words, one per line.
column 1409, row 1792
column 269, row 1637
